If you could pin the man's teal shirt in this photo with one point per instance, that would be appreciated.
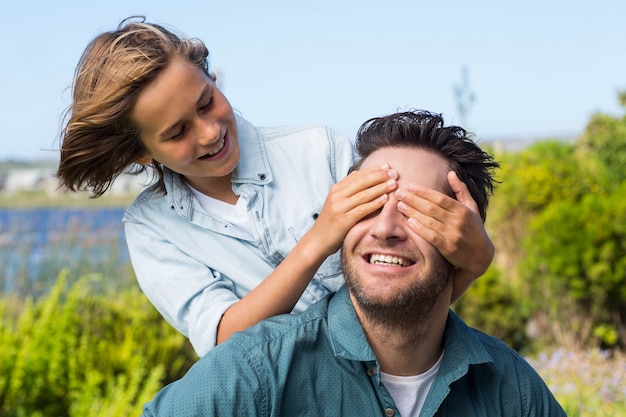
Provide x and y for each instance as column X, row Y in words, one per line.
column 319, row 363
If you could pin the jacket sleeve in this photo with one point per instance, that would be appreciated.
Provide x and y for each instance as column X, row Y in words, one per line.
column 189, row 295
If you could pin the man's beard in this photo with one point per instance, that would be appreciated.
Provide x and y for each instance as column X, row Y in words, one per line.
column 411, row 307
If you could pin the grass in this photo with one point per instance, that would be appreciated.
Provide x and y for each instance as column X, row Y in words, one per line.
column 40, row 199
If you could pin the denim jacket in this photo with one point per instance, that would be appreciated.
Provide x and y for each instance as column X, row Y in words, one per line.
column 193, row 266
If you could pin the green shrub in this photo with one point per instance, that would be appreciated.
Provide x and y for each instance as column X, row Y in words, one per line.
column 76, row 352
column 492, row 305
column 546, row 171
column 575, row 267
column 529, row 181
column 603, row 145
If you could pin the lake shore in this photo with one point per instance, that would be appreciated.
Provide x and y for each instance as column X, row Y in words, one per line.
column 39, row 199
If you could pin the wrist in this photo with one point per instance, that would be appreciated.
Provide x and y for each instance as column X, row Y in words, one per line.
column 316, row 245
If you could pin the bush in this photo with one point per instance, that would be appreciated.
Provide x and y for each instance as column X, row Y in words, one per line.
column 530, row 180
column 576, row 264
column 76, row 353
column 492, row 305
column 603, row 145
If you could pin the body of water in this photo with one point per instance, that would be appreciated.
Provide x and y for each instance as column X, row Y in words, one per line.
column 35, row 244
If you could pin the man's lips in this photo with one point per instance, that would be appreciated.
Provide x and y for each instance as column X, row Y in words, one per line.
column 391, row 260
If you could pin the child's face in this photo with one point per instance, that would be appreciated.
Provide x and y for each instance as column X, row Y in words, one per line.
column 188, row 125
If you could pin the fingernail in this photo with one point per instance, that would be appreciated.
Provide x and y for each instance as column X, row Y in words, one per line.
column 392, row 173
column 400, row 194
column 412, row 188
column 391, row 183
column 402, row 206
column 384, row 166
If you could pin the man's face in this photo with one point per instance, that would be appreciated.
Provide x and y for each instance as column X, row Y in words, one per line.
column 387, row 266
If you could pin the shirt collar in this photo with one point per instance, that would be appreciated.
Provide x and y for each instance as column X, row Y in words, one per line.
column 346, row 332
column 462, row 346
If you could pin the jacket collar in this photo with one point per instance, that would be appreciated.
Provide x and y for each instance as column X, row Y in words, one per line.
column 253, row 166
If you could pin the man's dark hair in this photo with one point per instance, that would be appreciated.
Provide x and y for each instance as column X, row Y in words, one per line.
column 425, row 130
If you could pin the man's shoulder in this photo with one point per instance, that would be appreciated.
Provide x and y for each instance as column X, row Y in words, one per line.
column 498, row 349
column 501, row 371
column 282, row 333
column 252, row 366
column 484, row 348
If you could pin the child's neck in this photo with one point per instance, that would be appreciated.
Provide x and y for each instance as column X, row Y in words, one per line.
column 218, row 188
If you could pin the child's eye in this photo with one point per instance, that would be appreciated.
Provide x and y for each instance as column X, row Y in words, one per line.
column 178, row 134
column 207, row 105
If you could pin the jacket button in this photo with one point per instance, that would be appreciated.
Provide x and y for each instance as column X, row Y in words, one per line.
column 389, row 412
column 262, row 177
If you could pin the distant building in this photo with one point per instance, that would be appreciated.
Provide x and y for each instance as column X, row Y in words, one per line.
column 27, row 179
column 19, row 180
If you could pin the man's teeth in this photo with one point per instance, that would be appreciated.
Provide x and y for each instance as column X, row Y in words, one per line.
column 219, row 148
column 388, row 260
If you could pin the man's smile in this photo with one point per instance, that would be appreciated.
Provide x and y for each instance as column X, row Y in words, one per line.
column 381, row 259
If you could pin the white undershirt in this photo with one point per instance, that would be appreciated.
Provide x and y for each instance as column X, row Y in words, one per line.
column 235, row 214
column 409, row 392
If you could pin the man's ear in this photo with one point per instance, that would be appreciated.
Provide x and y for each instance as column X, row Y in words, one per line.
column 144, row 160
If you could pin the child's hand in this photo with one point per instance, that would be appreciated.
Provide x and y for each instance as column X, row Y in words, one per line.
column 359, row 194
column 454, row 227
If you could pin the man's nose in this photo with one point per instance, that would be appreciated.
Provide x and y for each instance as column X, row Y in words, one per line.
column 389, row 223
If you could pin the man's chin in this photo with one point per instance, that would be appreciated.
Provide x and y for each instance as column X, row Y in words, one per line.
column 389, row 307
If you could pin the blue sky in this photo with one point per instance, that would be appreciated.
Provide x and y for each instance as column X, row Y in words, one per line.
column 537, row 68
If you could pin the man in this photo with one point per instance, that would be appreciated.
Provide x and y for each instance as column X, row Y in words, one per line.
column 387, row 343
